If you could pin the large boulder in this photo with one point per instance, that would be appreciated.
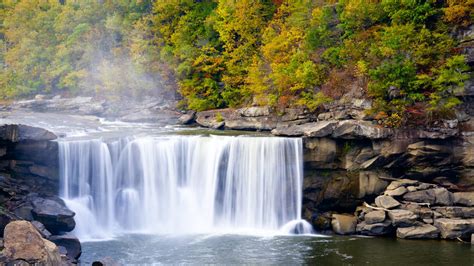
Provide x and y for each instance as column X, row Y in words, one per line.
column 386, row 202
column 454, row 228
column 344, row 224
column 24, row 243
column 374, row 217
column 55, row 216
column 402, row 218
column 187, row 118
column 416, row 232
column 443, row 196
column 71, row 243
column 456, row 211
column 377, row 229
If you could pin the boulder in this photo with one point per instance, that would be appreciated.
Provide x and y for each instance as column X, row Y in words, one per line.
column 464, row 198
column 187, row 118
column 402, row 218
column 377, row 229
column 454, row 228
column 344, row 224
column 399, row 191
column 386, row 202
column 423, row 196
column 374, row 217
column 23, row 242
column 56, row 217
column 418, row 232
column 422, row 212
column 71, row 243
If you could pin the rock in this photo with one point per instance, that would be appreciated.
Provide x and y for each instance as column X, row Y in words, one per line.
column 320, row 152
column 55, row 216
column 17, row 133
column 254, row 111
column 464, row 198
column 424, row 196
column 355, row 129
column 370, row 183
column 71, row 243
column 187, row 118
column 418, row 232
column 454, row 228
column 402, row 182
column 386, row 202
column 422, row 212
column 44, row 171
column 344, row 224
column 41, row 229
column 402, row 218
column 456, row 212
column 443, row 196
column 313, row 130
column 374, row 217
column 377, row 229
column 400, row 191
column 23, row 212
column 210, row 119
column 24, row 242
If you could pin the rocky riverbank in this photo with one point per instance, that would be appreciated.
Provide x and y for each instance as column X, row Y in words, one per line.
column 32, row 216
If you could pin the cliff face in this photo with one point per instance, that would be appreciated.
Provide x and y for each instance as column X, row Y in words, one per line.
column 29, row 187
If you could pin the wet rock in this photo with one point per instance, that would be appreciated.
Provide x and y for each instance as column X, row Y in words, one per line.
column 374, row 217
column 56, row 217
column 377, row 229
column 344, row 224
column 418, row 232
column 402, row 218
column 464, row 198
column 71, row 243
column 386, row 202
column 187, row 118
column 424, row 196
column 454, row 228
column 400, row 191
column 24, row 242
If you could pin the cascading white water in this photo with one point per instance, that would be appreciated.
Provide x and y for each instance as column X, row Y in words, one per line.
column 183, row 184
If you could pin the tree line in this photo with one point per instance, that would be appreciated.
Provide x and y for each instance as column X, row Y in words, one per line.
column 232, row 53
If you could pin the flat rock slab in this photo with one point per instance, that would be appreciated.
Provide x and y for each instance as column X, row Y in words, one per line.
column 377, row 229
column 399, row 191
column 418, row 232
column 386, row 202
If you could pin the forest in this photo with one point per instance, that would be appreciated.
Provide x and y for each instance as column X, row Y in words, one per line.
column 226, row 53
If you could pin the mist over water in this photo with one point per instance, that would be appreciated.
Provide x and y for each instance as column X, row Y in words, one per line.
column 183, row 185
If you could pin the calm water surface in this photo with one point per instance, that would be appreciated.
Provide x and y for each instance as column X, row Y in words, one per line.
column 281, row 250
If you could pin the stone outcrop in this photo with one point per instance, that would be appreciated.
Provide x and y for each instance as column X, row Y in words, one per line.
column 23, row 243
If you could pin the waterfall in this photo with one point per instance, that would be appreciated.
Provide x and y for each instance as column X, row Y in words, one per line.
column 182, row 184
